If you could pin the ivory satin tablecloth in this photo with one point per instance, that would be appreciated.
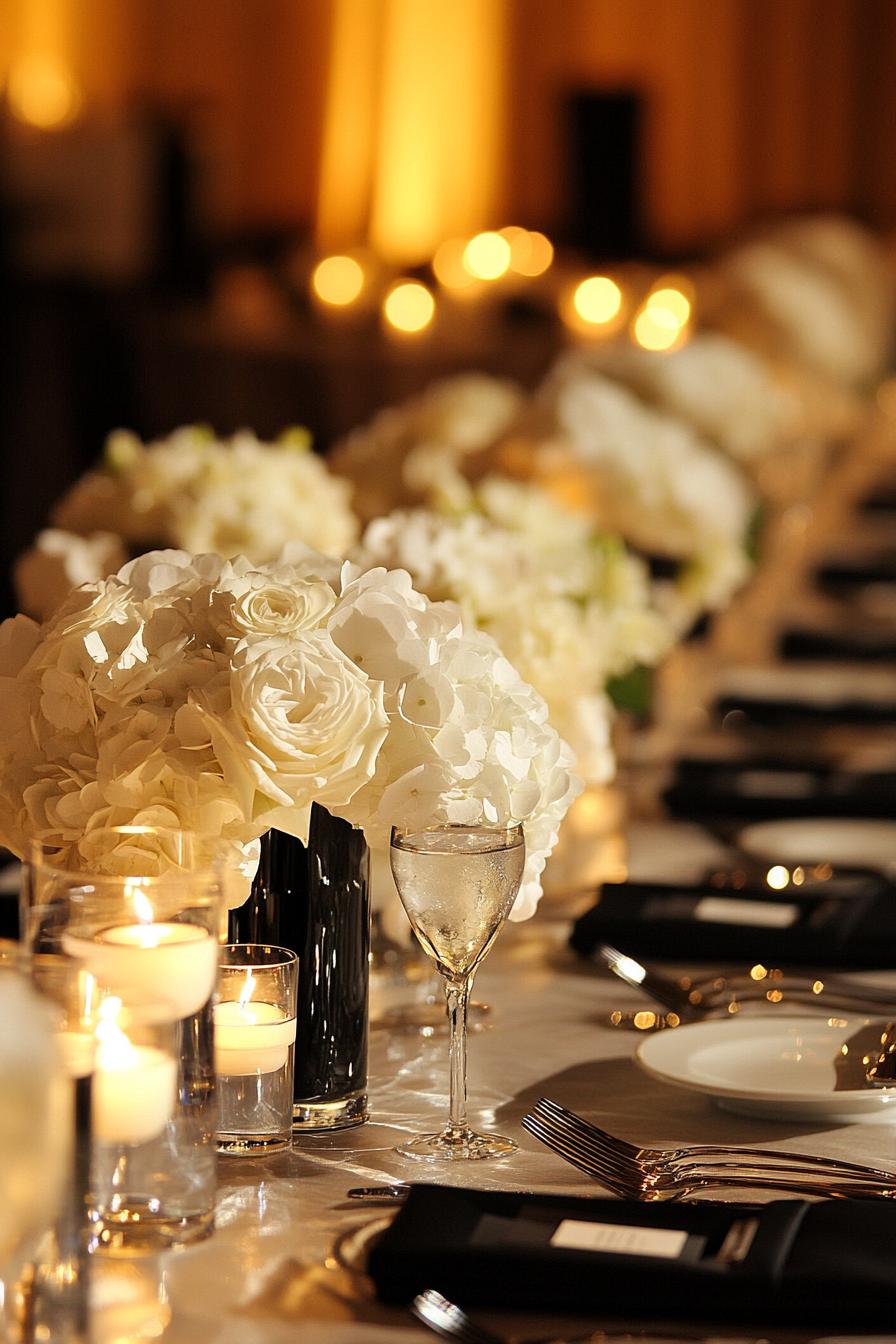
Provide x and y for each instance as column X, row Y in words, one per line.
column 269, row 1274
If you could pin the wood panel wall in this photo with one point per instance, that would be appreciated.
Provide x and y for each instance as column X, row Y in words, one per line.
column 752, row 106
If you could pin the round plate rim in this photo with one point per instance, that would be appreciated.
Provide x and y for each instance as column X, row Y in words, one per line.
column 854, row 1099
column 834, row 826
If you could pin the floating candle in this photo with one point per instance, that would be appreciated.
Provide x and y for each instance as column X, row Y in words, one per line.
column 162, row 972
column 251, row 1037
column 77, row 1050
column 134, row 1088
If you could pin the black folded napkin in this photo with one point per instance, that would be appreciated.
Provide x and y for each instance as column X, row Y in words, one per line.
column 790, row 711
column 704, row 788
column 788, row 1262
column 700, row 922
column 852, row 646
column 842, row 575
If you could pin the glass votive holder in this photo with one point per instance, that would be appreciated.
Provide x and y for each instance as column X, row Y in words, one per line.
column 255, row 1037
column 138, row 932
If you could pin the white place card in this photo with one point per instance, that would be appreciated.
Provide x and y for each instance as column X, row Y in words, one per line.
column 663, row 1242
column 761, row 914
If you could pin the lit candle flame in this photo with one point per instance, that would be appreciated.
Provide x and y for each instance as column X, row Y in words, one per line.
column 658, row 329
column 115, row 1049
column 338, row 280
column 531, row 253
column 597, row 299
column 248, row 989
column 142, row 904
column 409, row 306
column 448, row 265
column 487, row 256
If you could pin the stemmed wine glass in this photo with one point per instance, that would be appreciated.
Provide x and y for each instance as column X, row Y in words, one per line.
column 457, row 885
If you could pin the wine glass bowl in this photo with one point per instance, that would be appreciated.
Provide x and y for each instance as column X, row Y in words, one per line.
column 457, row 885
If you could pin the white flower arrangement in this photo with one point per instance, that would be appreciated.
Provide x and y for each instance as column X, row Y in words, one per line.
column 778, row 299
column 720, row 388
column 197, row 493
column 650, row 479
column 409, row 451
column 225, row 698
column 568, row 607
column 57, row 562
column 857, row 260
column 625, row 468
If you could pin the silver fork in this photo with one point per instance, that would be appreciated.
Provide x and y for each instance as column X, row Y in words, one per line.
column 717, row 1156
column 451, row 1322
column 694, row 1000
column 637, row 1183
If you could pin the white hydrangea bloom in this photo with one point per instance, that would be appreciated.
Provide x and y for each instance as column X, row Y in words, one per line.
column 59, row 561
column 568, row 609
column 654, row 481
column 781, row 299
column 725, row 391
column 232, row 497
column 410, row 452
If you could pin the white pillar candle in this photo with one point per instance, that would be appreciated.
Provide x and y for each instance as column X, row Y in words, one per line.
column 134, row 1089
column 161, row 972
column 251, row 1037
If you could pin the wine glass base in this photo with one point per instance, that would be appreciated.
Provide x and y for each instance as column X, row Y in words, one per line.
column 456, row 1146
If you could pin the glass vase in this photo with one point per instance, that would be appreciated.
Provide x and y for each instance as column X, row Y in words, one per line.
column 142, row 946
column 314, row 900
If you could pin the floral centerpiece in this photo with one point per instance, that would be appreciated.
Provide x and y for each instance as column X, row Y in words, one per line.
column 647, row 476
column 434, row 438
column 722, row 389
column 588, row 441
column 569, row 607
column 817, row 292
column 226, row 697
column 192, row 491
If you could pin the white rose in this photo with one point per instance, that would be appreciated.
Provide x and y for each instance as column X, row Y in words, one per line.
column 273, row 609
column 313, row 723
column 304, row 563
column 415, row 448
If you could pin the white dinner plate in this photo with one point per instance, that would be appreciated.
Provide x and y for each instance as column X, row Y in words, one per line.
column 848, row 841
column 784, row 1068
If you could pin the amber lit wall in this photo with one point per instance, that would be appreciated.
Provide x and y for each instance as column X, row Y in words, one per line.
column 750, row 105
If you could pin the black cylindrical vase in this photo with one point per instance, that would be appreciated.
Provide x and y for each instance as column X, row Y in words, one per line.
column 314, row 900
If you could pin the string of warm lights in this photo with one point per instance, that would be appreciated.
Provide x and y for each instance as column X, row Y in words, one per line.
column 590, row 306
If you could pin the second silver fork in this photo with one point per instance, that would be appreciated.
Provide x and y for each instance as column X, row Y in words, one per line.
column 709, row 1156
column 634, row 1180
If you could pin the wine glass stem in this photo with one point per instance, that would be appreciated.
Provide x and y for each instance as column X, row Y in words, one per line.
column 458, row 994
